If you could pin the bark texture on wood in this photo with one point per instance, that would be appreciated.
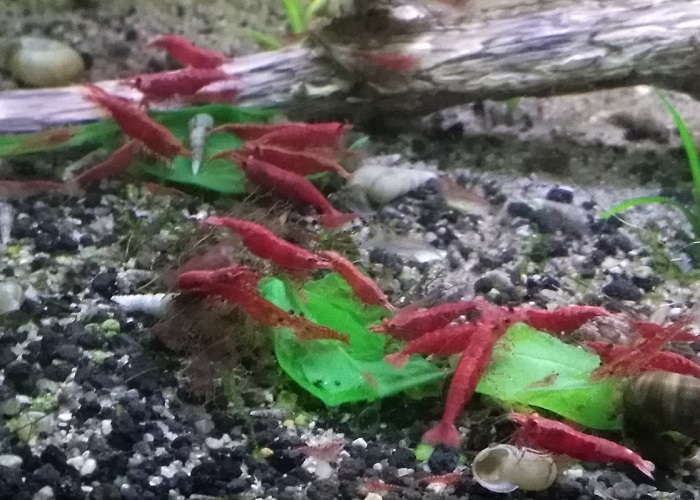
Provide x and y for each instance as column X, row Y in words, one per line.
column 565, row 49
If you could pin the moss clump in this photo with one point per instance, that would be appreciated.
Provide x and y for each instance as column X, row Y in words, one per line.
column 110, row 327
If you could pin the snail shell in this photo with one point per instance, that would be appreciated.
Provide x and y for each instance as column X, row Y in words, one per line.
column 504, row 468
column 42, row 62
column 382, row 184
column 660, row 414
column 663, row 401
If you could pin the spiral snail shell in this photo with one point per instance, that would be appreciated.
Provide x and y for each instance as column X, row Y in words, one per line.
column 657, row 408
column 504, row 468
column 41, row 62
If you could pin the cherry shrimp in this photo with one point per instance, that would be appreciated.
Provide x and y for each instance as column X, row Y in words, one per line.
column 443, row 342
column 365, row 289
column 300, row 162
column 662, row 360
column 644, row 349
column 116, row 163
column 565, row 319
column 203, row 279
column 327, row 135
column 238, row 285
column 267, row 313
column 187, row 53
column 267, row 245
column 560, row 438
column 295, row 135
column 137, row 124
column 295, row 188
column 490, row 327
column 184, row 82
column 411, row 325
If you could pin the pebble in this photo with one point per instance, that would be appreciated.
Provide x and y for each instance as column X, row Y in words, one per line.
column 11, row 461
column 443, row 460
column 560, row 195
column 88, row 467
column 213, row 444
column 322, row 489
column 520, row 209
column 622, row 289
column 204, row 426
column 645, row 278
column 45, row 493
column 551, row 220
column 403, row 457
column 359, row 443
column 46, row 475
column 350, row 468
column 11, row 407
column 105, row 283
column 11, row 295
column 106, row 427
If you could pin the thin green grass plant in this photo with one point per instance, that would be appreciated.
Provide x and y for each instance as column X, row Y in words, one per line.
column 299, row 14
column 692, row 212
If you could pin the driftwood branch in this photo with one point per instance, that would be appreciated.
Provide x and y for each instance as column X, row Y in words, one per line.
column 565, row 49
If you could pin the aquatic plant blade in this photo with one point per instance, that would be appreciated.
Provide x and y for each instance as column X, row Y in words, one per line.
column 689, row 146
column 537, row 369
column 642, row 200
column 330, row 370
column 265, row 41
column 314, row 9
column 295, row 15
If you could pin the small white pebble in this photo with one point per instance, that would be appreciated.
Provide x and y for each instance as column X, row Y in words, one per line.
column 106, row 427
column 373, row 496
column 573, row 473
column 44, row 493
column 321, row 468
column 359, row 443
column 155, row 480
column 88, row 467
column 76, row 462
column 436, row 487
column 168, row 471
column 11, row 296
column 11, row 461
column 212, row 443
column 7, row 217
column 135, row 460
